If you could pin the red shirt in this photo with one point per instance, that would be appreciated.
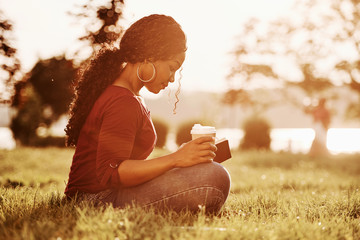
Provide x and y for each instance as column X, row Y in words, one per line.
column 118, row 128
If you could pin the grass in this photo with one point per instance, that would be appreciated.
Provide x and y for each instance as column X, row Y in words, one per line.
column 273, row 196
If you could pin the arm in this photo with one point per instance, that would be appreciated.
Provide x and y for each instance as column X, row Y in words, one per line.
column 114, row 165
column 135, row 172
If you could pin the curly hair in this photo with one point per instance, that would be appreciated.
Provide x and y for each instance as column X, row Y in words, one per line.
column 154, row 37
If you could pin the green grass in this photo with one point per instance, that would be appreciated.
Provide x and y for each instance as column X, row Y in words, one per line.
column 273, row 196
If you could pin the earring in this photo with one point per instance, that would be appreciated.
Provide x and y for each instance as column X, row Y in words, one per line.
column 153, row 75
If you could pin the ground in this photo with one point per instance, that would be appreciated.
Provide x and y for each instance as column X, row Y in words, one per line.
column 273, row 196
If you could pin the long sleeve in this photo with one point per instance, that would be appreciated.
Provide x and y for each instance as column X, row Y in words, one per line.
column 120, row 123
column 118, row 128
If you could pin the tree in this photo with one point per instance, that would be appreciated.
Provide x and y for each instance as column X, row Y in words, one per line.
column 41, row 98
column 303, row 50
column 162, row 130
column 10, row 64
column 52, row 80
column 48, row 86
column 256, row 134
column 29, row 114
column 103, row 22
column 349, row 14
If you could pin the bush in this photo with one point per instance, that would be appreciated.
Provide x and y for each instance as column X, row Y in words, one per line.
column 28, row 117
column 162, row 130
column 256, row 134
column 183, row 132
column 50, row 141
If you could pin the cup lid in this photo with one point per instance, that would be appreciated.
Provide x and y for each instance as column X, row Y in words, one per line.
column 199, row 129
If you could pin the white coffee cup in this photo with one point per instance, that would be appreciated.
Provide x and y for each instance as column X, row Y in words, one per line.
column 199, row 131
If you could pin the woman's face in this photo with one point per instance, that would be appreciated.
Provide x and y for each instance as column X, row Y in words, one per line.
column 165, row 73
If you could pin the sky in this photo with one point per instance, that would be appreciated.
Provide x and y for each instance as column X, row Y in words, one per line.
column 43, row 29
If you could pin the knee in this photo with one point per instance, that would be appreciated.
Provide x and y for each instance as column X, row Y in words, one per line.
column 215, row 175
column 217, row 180
column 205, row 185
column 222, row 177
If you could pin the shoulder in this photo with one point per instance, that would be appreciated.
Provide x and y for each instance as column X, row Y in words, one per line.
column 119, row 99
column 117, row 94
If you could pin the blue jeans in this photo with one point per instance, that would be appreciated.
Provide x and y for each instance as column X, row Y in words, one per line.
column 204, row 185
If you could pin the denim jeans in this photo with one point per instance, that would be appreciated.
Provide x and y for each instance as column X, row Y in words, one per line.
column 204, row 185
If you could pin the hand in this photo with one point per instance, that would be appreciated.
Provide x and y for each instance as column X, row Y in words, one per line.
column 199, row 150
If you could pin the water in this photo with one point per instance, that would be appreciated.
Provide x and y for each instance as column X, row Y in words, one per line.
column 299, row 140
column 343, row 140
column 295, row 140
column 6, row 139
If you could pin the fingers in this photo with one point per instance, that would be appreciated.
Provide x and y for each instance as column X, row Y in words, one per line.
column 207, row 154
column 208, row 146
column 207, row 160
column 200, row 150
column 205, row 148
column 206, row 142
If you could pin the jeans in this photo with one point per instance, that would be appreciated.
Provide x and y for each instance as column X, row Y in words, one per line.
column 193, row 188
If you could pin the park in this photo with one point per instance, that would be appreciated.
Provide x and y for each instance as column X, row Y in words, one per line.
column 91, row 108
column 273, row 196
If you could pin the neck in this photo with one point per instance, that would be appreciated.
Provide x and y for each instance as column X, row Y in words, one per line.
column 128, row 79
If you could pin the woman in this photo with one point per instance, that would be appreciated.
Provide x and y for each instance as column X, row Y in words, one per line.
column 113, row 133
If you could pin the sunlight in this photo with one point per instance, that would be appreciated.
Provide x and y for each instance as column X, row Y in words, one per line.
column 296, row 140
column 343, row 140
column 299, row 140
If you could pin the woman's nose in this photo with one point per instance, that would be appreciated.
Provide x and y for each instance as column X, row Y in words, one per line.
column 172, row 78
